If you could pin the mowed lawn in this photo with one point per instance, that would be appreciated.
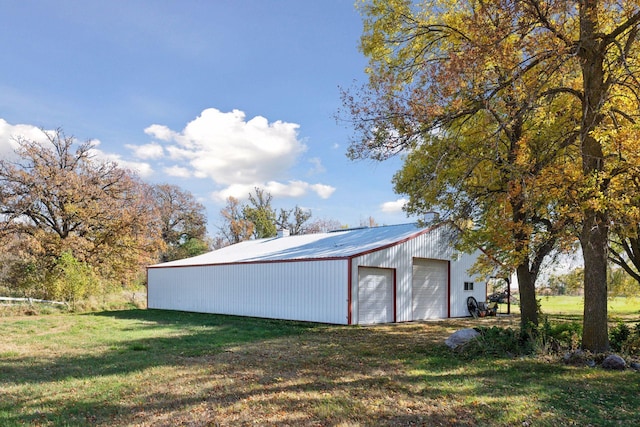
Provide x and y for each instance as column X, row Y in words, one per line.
column 162, row 368
column 573, row 306
column 618, row 307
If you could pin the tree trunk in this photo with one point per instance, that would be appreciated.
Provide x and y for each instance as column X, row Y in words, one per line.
column 528, row 303
column 594, row 241
column 594, row 236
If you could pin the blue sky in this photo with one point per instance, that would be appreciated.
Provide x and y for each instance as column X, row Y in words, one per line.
column 215, row 96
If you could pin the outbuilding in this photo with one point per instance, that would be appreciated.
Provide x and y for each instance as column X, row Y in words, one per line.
column 369, row 275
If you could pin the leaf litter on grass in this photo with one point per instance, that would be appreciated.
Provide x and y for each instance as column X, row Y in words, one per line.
column 165, row 369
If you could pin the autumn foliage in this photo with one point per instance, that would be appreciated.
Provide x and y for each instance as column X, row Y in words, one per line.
column 74, row 226
column 518, row 120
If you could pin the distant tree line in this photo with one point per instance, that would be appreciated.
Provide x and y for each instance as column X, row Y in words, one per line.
column 619, row 283
column 258, row 219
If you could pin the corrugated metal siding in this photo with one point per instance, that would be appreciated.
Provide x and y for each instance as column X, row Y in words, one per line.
column 459, row 267
column 431, row 245
column 313, row 291
column 400, row 257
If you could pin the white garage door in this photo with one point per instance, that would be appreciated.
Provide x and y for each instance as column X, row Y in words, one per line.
column 375, row 295
column 430, row 278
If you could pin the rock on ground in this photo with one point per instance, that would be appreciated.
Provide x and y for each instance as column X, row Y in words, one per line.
column 461, row 337
column 613, row 361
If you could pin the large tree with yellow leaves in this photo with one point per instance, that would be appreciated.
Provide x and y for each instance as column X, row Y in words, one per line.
column 523, row 111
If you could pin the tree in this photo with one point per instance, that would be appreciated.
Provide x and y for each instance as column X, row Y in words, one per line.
column 260, row 212
column 620, row 284
column 438, row 66
column 57, row 200
column 235, row 228
column 570, row 283
column 294, row 220
column 23, row 272
column 624, row 244
column 182, row 220
column 440, row 92
column 368, row 222
column 258, row 219
column 604, row 40
column 625, row 252
column 323, row 225
column 71, row 280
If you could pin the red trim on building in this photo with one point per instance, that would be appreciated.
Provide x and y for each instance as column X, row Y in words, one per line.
column 147, row 286
column 270, row 261
column 349, row 290
column 448, row 289
column 395, row 296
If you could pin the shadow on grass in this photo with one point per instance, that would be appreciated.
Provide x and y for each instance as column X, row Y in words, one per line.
column 179, row 335
column 563, row 317
column 199, row 319
column 244, row 371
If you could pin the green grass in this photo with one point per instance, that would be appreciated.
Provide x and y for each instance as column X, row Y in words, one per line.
column 574, row 305
column 138, row 367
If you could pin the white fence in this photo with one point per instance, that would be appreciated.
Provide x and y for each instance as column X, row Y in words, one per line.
column 31, row 301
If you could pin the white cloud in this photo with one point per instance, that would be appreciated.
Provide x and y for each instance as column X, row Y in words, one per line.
column 298, row 189
column 317, row 166
column 141, row 168
column 147, row 151
column 392, row 207
column 324, row 191
column 236, row 153
column 276, row 189
column 239, row 191
column 160, row 132
column 9, row 133
column 177, row 153
column 177, row 171
column 230, row 150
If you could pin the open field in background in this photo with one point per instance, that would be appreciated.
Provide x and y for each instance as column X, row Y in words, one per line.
column 161, row 368
column 618, row 307
column 572, row 307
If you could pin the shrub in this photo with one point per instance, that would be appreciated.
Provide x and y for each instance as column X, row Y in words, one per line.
column 553, row 338
column 547, row 338
column 618, row 335
column 73, row 280
column 498, row 342
column 625, row 339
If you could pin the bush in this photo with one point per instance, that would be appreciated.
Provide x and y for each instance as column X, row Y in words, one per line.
column 553, row 338
column 623, row 338
column 498, row 342
column 547, row 338
column 72, row 280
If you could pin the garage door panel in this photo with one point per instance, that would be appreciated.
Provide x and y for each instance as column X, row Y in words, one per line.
column 429, row 289
column 375, row 295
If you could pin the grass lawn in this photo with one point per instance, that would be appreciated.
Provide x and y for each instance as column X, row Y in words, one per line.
column 161, row 368
column 618, row 307
column 572, row 307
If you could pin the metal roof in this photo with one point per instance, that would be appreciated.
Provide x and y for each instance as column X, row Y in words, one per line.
column 334, row 244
